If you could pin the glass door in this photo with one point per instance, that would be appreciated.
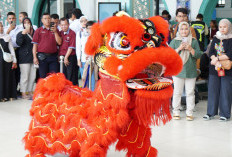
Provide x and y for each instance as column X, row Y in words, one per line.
column 68, row 6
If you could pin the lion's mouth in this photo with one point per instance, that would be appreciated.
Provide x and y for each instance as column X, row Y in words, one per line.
column 150, row 79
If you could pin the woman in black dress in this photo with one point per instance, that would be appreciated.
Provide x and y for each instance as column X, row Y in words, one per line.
column 7, row 76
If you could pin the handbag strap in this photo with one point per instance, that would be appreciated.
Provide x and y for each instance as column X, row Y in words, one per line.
column 1, row 48
column 29, row 36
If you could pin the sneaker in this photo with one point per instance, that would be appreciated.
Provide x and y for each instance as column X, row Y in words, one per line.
column 176, row 117
column 207, row 117
column 223, row 119
column 189, row 118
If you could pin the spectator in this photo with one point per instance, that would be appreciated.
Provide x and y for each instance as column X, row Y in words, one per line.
column 165, row 14
column 182, row 16
column 75, row 25
column 23, row 15
column 67, row 49
column 220, row 78
column 213, row 29
column 89, row 66
column 169, row 18
column 12, row 29
column 81, row 39
column 204, row 64
column 55, row 19
column 45, row 42
column 201, row 30
column 25, row 59
column 7, row 77
column 188, row 49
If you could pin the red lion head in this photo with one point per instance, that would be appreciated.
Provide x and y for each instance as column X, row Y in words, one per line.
column 130, row 50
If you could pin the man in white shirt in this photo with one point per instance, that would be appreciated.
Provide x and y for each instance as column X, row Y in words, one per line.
column 22, row 15
column 12, row 29
column 75, row 24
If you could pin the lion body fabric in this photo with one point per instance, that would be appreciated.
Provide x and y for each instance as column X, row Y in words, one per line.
column 77, row 122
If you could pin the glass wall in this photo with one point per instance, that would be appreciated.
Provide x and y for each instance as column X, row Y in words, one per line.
column 161, row 6
column 50, row 6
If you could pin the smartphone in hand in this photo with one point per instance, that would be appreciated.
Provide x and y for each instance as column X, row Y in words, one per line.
column 184, row 39
column 52, row 24
column 13, row 23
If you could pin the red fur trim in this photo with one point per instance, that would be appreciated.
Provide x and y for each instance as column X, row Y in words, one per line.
column 150, row 104
column 135, row 139
column 68, row 119
column 139, row 60
column 152, row 152
column 161, row 26
column 112, row 64
column 95, row 39
column 129, row 26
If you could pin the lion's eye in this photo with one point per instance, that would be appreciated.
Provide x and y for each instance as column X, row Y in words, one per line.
column 119, row 41
column 124, row 42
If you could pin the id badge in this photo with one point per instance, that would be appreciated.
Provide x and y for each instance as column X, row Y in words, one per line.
column 221, row 72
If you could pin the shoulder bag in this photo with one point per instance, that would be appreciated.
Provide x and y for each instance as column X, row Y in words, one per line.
column 6, row 56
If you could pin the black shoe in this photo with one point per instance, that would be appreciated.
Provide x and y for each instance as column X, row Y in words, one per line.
column 223, row 119
column 207, row 117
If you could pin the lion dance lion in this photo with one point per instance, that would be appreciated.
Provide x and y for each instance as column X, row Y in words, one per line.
column 130, row 96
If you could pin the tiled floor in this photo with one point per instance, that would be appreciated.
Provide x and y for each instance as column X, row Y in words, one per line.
column 181, row 138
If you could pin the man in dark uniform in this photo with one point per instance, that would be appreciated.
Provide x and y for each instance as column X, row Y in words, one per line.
column 45, row 42
column 201, row 30
column 67, row 49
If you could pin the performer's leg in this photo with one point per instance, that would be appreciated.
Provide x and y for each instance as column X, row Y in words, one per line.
column 136, row 139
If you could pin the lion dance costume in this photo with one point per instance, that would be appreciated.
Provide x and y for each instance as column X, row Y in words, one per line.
column 130, row 96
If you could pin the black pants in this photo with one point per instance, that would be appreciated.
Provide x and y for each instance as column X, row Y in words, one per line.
column 71, row 71
column 219, row 95
column 48, row 65
column 17, row 70
column 7, row 80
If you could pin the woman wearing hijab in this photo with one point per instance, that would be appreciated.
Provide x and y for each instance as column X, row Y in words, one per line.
column 25, row 59
column 220, row 78
column 81, row 39
column 188, row 49
column 82, row 57
column 7, row 76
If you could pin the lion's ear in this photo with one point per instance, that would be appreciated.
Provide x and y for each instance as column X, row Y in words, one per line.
column 95, row 40
column 161, row 26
